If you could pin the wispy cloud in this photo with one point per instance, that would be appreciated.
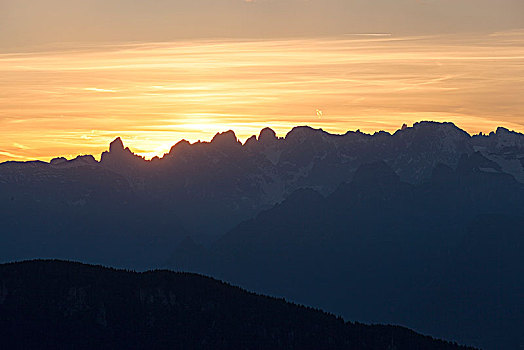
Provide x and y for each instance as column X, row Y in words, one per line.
column 99, row 90
column 17, row 145
column 369, row 34
column 10, row 155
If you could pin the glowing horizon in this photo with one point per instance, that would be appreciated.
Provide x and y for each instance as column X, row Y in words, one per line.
column 70, row 101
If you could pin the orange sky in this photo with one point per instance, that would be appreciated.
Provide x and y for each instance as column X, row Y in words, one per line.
column 69, row 100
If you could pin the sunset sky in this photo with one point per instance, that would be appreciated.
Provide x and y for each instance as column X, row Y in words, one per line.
column 76, row 74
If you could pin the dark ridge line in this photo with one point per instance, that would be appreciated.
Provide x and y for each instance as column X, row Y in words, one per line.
column 118, row 141
column 208, row 278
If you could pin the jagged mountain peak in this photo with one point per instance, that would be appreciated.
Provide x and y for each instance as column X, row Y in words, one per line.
column 356, row 132
column 302, row 133
column 382, row 133
column 433, row 124
column 116, row 146
column 117, row 149
column 58, row 160
column 227, row 138
column 507, row 138
column 118, row 155
column 180, row 146
column 82, row 160
column 267, row 135
column 437, row 129
column 251, row 141
column 503, row 131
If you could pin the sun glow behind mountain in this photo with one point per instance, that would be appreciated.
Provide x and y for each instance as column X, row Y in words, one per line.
column 70, row 100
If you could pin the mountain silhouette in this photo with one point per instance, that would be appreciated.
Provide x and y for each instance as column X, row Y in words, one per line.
column 421, row 227
column 222, row 181
column 58, row 304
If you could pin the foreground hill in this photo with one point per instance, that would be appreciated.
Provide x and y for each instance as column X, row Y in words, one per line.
column 57, row 304
column 443, row 257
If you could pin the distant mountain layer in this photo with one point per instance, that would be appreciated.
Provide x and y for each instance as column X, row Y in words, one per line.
column 129, row 212
column 422, row 228
column 64, row 305
column 444, row 257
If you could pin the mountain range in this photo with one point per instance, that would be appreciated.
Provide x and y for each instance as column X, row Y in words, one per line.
column 423, row 227
column 81, row 203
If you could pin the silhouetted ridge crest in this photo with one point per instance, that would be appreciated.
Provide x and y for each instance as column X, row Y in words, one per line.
column 429, row 131
column 117, row 146
column 267, row 136
column 85, row 160
column 251, row 142
column 120, row 156
column 58, row 304
column 225, row 139
column 436, row 126
column 180, row 147
column 58, row 160
column 304, row 133
column 506, row 139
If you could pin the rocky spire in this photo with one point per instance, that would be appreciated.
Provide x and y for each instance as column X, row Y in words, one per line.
column 116, row 146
